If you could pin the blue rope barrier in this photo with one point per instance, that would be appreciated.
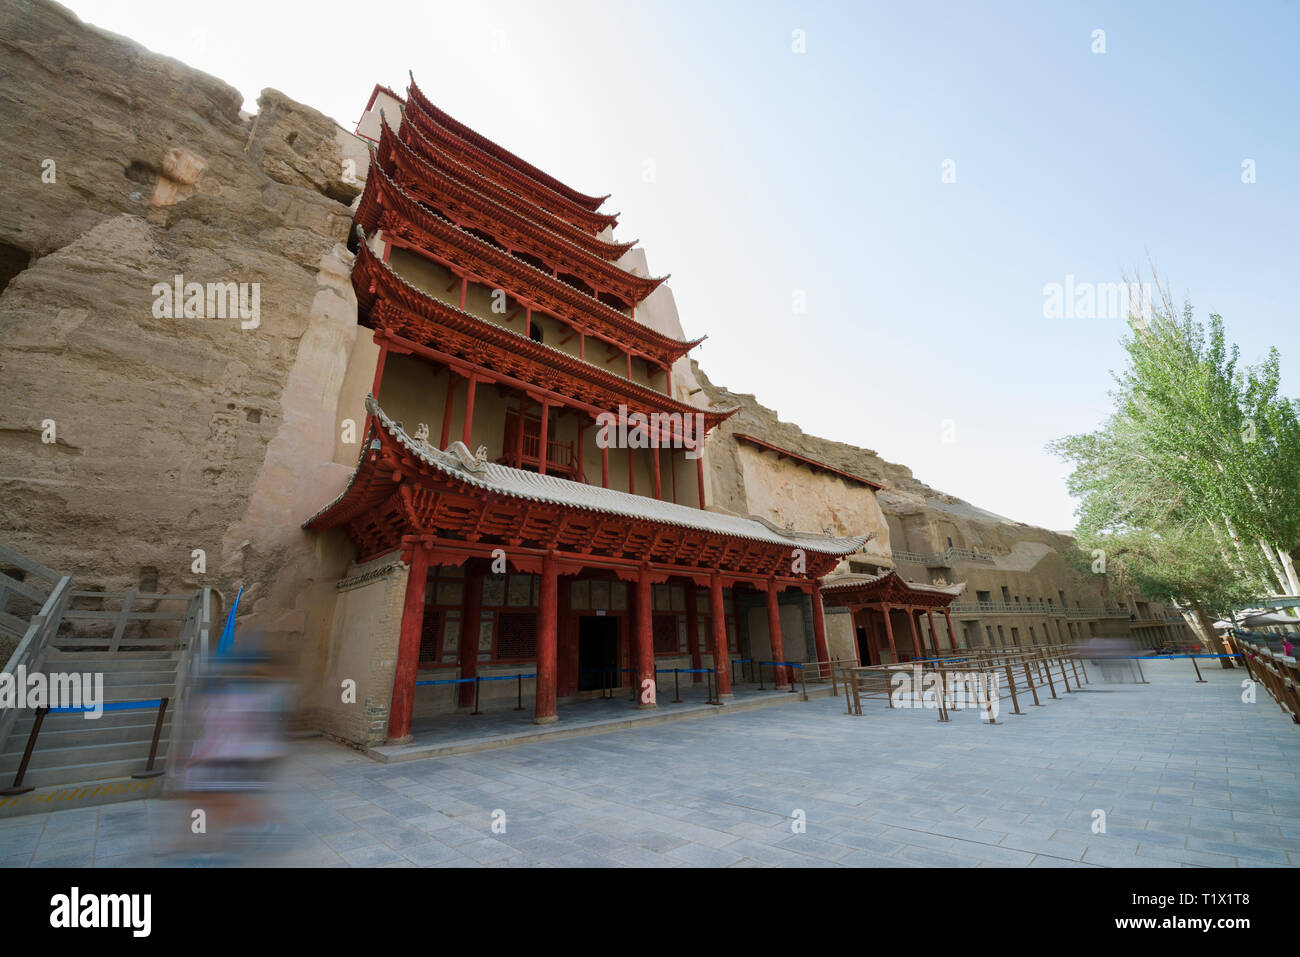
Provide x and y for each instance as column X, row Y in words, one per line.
column 1151, row 657
column 461, row 681
column 111, row 706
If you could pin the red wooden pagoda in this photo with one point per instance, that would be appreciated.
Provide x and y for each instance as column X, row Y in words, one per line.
column 471, row 223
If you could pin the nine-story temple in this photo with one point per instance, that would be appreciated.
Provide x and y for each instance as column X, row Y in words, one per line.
column 524, row 453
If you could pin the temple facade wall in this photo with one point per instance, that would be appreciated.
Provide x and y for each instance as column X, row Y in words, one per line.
column 360, row 656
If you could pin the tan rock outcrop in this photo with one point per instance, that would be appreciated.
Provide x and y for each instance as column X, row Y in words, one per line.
column 173, row 434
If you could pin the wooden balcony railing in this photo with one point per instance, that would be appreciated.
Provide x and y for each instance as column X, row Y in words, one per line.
column 525, row 452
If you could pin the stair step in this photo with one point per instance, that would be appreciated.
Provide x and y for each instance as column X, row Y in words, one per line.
column 86, row 773
column 89, row 732
column 116, row 679
column 109, row 663
column 45, row 757
column 68, row 722
column 139, row 691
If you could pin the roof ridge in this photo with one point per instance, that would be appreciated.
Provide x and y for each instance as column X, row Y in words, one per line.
column 546, row 229
column 465, row 132
column 610, row 219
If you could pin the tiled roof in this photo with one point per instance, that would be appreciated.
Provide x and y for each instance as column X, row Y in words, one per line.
column 457, row 462
column 854, row 580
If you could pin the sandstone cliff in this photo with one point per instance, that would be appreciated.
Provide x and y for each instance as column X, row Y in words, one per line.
column 122, row 169
column 917, row 512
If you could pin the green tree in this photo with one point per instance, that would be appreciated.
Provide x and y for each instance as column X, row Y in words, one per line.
column 1191, row 485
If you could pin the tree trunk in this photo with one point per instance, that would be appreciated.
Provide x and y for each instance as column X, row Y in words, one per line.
column 1290, row 567
column 1204, row 628
column 1270, row 556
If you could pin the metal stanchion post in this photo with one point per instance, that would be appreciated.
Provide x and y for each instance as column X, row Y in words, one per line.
column 1011, row 684
column 1029, row 678
column 148, row 771
column 1143, row 676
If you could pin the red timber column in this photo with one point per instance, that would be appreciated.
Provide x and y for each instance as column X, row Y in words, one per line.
column 519, row 433
column 408, row 647
column 379, row 376
column 718, row 618
column 952, row 635
column 699, row 476
column 470, row 613
column 644, row 651
column 693, row 631
column 916, row 641
column 873, row 635
column 934, row 635
column 446, row 412
column 774, row 634
column 659, row 491
column 819, row 631
column 889, row 633
column 542, row 450
column 379, row 370
column 469, row 412
column 547, row 643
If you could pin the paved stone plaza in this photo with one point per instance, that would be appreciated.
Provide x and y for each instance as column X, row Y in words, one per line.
column 1186, row 773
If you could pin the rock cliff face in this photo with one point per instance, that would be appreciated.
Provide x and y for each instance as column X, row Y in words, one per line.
column 920, row 518
column 134, row 431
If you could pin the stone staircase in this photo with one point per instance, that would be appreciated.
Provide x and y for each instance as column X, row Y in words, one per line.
column 73, row 749
column 143, row 647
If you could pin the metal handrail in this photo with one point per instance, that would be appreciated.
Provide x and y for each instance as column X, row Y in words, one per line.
column 1035, row 608
column 195, row 652
column 944, row 558
column 31, row 651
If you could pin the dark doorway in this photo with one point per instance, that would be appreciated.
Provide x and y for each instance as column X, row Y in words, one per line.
column 864, row 647
column 597, row 652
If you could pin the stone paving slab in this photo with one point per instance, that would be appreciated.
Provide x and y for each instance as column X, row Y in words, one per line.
column 1184, row 773
column 465, row 734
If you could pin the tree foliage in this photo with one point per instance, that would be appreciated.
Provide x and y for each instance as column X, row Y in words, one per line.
column 1192, row 485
